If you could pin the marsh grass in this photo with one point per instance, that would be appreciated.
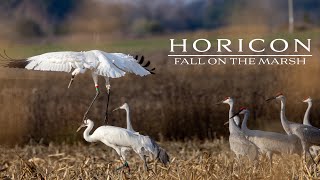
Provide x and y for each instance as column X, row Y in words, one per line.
column 189, row 160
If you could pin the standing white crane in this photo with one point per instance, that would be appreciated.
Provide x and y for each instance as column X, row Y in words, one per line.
column 100, row 63
column 314, row 149
column 270, row 143
column 117, row 138
column 308, row 135
column 230, row 102
column 125, row 106
column 239, row 144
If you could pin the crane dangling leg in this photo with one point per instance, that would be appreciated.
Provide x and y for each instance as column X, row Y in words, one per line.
column 94, row 99
column 71, row 81
column 106, row 118
column 95, row 79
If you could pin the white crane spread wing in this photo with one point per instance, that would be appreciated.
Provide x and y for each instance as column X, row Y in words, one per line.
column 56, row 61
column 112, row 65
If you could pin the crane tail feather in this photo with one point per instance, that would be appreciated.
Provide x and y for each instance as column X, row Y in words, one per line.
column 163, row 156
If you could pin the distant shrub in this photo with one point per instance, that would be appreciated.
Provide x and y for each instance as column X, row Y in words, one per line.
column 29, row 28
column 144, row 26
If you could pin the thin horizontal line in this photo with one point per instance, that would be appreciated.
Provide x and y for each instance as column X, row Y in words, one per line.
column 233, row 55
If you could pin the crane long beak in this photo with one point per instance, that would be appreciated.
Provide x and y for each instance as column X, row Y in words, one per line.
column 80, row 127
column 71, row 81
column 226, row 123
column 236, row 114
column 220, row 102
column 116, row 109
column 269, row 99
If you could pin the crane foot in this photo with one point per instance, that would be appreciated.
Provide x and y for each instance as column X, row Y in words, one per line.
column 125, row 165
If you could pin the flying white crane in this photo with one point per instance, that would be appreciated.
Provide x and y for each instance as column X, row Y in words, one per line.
column 239, row 144
column 230, row 102
column 100, row 63
column 117, row 138
column 270, row 143
column 314, row 149
column 308, row 135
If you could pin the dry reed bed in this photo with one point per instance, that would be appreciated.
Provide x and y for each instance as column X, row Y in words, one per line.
column 189, row 160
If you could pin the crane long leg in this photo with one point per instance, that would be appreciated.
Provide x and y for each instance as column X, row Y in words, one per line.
column 311, row 157
column 94, row 99
column 145, row 165
column 106, row 118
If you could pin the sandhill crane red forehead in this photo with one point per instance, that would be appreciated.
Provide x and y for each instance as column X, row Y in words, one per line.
column 307, row 98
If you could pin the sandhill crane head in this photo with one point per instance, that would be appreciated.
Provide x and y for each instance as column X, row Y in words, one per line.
column 85, row 123
column 227, row 100
column 307, row 99
column 277, row 96
column 242, row 110
column 124, row 106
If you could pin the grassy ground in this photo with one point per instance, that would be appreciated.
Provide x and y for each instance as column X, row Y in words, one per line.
column 189, row 160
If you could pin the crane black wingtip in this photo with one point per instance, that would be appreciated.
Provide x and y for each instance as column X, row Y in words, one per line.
column 141, row 60
column 147, row 64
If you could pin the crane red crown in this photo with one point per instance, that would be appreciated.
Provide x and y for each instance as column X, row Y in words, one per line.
column 279, row 94
column 306, row 98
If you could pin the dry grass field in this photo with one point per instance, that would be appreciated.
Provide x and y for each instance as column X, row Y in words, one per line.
column 189, row 160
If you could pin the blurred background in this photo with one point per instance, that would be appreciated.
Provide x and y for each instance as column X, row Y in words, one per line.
column 178, row 103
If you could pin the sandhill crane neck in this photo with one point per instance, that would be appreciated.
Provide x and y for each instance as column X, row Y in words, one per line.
column 284, row 121
column 306, row 120
column 230, row 102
